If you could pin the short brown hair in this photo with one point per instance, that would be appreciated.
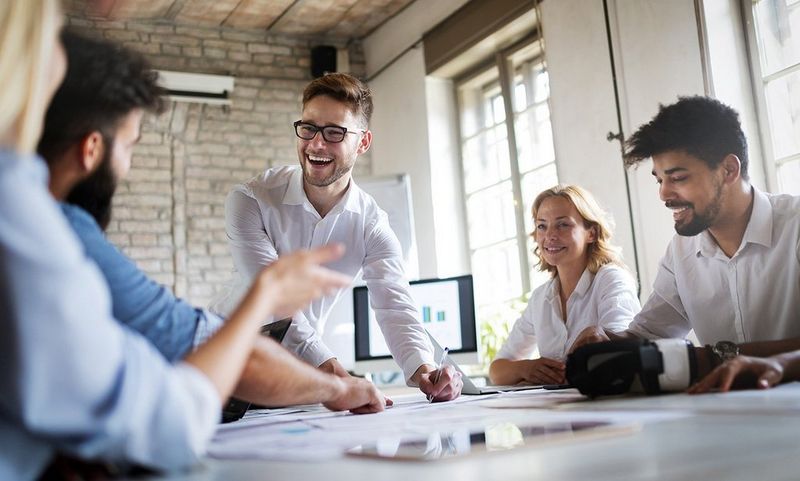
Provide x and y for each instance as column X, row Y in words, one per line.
column 344, row 88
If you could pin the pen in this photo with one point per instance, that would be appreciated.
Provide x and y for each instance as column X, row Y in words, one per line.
column 439, row 370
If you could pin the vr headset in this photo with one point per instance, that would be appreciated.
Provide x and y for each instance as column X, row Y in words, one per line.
column 617, row 367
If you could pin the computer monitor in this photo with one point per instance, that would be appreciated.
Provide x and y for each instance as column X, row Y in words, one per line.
column 446, row 308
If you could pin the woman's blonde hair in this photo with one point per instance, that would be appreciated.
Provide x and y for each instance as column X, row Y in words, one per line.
column 28, row 31
column 601, row 251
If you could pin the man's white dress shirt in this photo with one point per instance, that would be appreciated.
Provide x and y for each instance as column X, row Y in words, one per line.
column 752, row 296
column 270, row 216
column 607, row 299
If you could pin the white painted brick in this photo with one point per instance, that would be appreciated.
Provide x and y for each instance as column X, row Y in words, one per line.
column 140, row 187
column 207, row 223
column 145, row 240
column 137, row 227
column 122, row 35
column 119, row 239
column 214, row 53
column 223, row 262
column 149, row 252
column 182, row 40
column 204, row 33
column 213, row 277
column 149, row 265
column 171, row 49
column 198, row 264
column 164, row 279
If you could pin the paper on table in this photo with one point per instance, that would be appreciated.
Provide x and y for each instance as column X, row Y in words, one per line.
column 541, row 399
column 309, row 436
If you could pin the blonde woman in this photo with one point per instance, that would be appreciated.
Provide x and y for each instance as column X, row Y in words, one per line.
column 73, row 380
column 590, row 286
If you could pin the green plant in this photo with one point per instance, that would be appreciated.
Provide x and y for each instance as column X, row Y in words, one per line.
column 496, row 321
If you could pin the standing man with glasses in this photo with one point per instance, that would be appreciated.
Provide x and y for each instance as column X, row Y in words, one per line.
column 287, row 208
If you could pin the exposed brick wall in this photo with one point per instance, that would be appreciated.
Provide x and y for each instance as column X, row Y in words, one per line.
column 169, row 213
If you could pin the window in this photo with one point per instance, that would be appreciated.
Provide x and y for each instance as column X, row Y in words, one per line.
column 776, row 31
column 507, row 158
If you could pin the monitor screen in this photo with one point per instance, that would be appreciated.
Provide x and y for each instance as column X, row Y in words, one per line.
column 445, row 307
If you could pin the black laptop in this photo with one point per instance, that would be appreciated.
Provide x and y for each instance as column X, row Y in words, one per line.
column 235, row 408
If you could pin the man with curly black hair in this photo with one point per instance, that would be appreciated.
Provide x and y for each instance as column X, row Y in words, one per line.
column 732, row 272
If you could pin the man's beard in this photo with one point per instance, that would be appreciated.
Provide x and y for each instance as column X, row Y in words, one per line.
column 338, row 173
column 700, row 221
column 95, row 193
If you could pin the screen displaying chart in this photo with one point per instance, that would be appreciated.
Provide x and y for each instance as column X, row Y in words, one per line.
column 438, row 310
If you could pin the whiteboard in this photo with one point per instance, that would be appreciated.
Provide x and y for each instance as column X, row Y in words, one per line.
column 393, row 195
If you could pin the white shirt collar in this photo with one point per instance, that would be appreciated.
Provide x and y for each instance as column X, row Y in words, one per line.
column 296, row 195
column 584, row 283
column 758, row 231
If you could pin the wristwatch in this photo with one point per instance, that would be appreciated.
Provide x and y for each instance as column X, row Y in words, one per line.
column 725, row 350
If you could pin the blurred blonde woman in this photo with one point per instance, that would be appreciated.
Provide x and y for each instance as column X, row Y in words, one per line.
column 73, row 381
column 590, row 286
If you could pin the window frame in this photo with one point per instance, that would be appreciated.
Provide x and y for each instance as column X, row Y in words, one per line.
column 759, row 86
column 503, row 63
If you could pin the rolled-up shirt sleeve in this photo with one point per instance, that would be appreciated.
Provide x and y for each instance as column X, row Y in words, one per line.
column 663, row 315
column 208, row 324
column 394, row 308
column 302, row 339
column 73, row 378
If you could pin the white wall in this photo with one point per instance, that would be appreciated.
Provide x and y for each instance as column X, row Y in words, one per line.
column 400, row 143
column 452, row 249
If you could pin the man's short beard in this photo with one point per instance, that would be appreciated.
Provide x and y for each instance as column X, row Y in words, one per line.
column 337, row 174
column 702, row 221
column 95, row 193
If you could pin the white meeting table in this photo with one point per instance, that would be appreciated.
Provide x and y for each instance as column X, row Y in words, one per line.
column 746, row 435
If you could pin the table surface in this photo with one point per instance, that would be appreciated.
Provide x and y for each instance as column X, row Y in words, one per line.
column 736, row 436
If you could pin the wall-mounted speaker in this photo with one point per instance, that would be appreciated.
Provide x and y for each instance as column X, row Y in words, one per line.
column 323, row 60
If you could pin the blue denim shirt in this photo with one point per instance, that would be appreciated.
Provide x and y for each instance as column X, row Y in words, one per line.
column 172, row 325
column 72, row 379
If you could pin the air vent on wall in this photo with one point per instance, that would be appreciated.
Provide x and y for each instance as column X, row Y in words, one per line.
column 195, row 87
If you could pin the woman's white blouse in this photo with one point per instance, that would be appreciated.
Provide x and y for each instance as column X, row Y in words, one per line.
column 607, row 299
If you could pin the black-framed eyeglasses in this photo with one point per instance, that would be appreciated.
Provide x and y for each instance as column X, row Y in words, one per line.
column 331, row 133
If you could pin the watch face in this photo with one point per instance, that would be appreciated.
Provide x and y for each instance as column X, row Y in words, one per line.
column 726, row 350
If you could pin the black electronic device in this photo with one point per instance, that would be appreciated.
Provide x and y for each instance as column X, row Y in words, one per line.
column 620, row 366
column 235, row 408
